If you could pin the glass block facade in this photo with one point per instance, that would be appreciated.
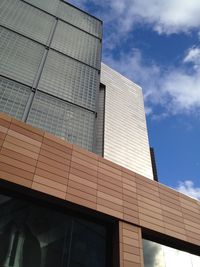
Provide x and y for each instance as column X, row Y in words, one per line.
column 50, row 55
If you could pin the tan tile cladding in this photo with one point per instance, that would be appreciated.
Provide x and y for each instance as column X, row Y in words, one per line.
column 43, row 162
column 130, row 239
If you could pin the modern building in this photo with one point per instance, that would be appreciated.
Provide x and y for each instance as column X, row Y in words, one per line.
column 60, row 204
column 50, row 78
column 125, row 131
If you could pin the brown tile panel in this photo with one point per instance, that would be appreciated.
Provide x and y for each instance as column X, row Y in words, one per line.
column 16, row 171
column 16, row 163
column 48, row 164
column 110, row 211
column 53, row 169
column 109, row 204
column 81, row 201
column 83, row 181
column 84, row 163
column 127, row 171
column 81, row 156
column 57, row 143
column 147, row 185
column 131, row 219
column 144, row 199
column 85, row 152
column 176, row 234
column 81, row 194
column 110, row 168
column 110, row 180
column 130, row 245
column 51, row 176
column 83, row 169
column 14, row 178
column 50, row 183
column 64, row 160
column 170, row 193
column 26, row 130
column 167, row 214
column 81, row 187
column 110, row 183
column 1, row 143
column 148, row 196
column 191, row 217
column 82, row 174
column 128, row 181
column 150, row 213
column 174, row 206
column 48, row 190
column 52, row 150
column 4, row 124
column 14, row 155
column 130, row 188
column 130, row 208
column 23, row 144
column 3, row 131
column 109, row 173
column 55, row 164
column 109, row 190
column 110, row 163
column 110, row 198
column 193, row 241
column 20, row 150
column 193, row 234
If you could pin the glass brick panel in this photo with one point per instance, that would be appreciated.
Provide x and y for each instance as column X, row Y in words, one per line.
column 26, row 19
column 47, row 5
column 80, row 45
column 70, row 80
column 13, row 97
column 62, row 119
column 19, row 57
column 80, row 19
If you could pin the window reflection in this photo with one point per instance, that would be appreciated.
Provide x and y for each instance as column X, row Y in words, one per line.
column 157, row 255
column 153, row 254
column 35, row 236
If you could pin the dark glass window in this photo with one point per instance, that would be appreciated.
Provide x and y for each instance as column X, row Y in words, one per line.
column 34, row 236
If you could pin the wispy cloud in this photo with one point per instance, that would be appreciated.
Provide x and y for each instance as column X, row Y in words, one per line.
column 188, row 188
column 193, row 56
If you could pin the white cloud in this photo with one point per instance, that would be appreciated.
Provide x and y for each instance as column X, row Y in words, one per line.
column 193, row 56
column 188, row 188
column 183, row 89
column 166, row 16
column 175, row 90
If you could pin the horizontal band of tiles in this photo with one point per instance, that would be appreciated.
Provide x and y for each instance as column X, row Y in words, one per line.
column 43, row 162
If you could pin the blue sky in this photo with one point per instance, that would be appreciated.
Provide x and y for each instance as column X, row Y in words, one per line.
column 157, row 45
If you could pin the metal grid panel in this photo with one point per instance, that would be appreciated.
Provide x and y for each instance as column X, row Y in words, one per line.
column 26, row 19
column 19, row 57
column 80, row 45
column 79, row 19
column 70, row 80
column 62, row 119
column 13, row 97
column 47, row 5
